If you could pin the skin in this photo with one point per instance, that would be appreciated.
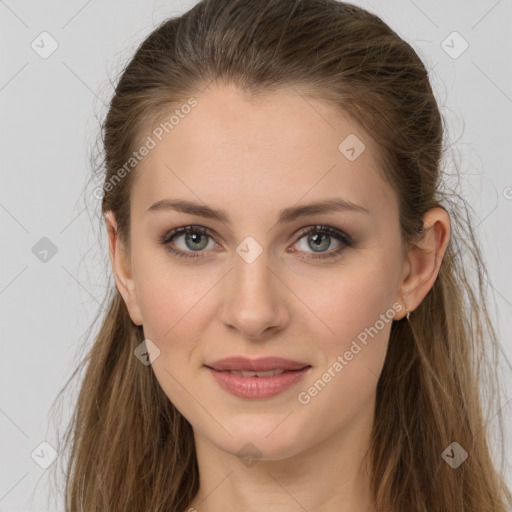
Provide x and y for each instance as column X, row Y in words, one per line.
column 253, row 157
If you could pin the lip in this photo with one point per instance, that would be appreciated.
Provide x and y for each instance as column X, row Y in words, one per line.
column 257, row 387
column 261, row 364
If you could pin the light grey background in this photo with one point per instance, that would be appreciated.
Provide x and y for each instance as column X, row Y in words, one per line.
column 50, row 113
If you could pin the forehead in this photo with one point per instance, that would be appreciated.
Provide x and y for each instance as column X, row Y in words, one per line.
column 269, row 151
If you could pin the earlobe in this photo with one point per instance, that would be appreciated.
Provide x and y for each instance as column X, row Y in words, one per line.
column 425, row 258
column 122, row 269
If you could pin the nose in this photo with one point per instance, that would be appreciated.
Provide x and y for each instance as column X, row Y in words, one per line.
column 254, row 299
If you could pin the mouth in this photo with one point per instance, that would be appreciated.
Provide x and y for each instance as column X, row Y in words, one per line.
column 257, row 385
column 260, row 366
column 262, row 374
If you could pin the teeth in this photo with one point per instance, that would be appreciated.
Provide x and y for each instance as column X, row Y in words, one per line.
column 268, row 373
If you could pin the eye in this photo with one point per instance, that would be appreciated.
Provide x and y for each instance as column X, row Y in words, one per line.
column 195, row 240
column 320, row 237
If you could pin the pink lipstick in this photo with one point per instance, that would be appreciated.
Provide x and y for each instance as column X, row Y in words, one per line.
column 257, row 378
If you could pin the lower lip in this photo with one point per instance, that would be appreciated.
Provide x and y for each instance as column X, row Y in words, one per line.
column 257, row 387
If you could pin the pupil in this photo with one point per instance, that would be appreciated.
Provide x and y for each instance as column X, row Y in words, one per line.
column 319, row 238
column 195, row 237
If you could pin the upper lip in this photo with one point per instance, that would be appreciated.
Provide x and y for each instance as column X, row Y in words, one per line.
column 256, row 365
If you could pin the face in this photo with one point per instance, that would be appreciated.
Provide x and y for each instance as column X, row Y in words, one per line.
column 317, row 287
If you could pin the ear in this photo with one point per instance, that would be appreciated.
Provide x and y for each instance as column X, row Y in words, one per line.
column 122, row 269
column 424, row 259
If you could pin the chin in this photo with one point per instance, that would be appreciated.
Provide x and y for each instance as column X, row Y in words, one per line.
column 266, row 441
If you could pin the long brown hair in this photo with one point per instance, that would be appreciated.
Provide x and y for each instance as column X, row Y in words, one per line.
column 130, row 449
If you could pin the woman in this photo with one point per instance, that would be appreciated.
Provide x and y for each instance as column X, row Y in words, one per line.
column 292, row 327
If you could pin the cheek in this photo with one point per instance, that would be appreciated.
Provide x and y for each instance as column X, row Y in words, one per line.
column 354, row 304
column 175, row 308
column 171, row 297
column 347, row 299
column 357, row 309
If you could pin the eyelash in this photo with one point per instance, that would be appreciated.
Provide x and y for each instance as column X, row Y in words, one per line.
column 345, row 240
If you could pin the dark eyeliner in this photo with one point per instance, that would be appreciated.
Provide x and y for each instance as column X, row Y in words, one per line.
column 346, row 241
column 343, row 238
column 166, row 240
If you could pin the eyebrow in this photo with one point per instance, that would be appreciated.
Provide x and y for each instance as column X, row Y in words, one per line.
column 285, row 215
